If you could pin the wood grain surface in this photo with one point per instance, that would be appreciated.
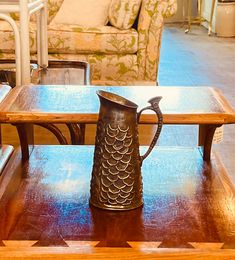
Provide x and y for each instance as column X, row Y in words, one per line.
column 60, row 104
column 5, row 153
column 63, row 72
column 4, row 91
column 188, row 210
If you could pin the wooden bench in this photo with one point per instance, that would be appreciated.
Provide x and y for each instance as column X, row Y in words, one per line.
column 201, row 106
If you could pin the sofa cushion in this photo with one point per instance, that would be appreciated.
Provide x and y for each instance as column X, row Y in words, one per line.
column 104, row 39
column 76, row 39
column 116, row 69
column 122, row 13
column 83, row 12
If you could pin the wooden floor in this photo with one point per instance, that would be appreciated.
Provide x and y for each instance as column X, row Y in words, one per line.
column 195, row 59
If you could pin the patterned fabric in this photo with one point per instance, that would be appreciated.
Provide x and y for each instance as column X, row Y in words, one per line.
column 117, row 57
column 83, row 12
column 74, row 39
column 122, row 13
column 104, row 39
column 107, row 69
column 167, row 7
column 150, row 26
column 7, row 39
column 53, row 7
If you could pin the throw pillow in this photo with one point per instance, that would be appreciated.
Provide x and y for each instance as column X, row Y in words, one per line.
column 83, row 12
column 53, row 8
column 122, row 13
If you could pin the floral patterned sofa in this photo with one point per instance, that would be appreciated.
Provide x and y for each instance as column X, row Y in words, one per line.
column 117, row 56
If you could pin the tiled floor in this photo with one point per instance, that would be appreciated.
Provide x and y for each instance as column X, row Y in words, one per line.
column 195, row 59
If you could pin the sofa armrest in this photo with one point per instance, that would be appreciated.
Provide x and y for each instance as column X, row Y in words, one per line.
column 150, row 25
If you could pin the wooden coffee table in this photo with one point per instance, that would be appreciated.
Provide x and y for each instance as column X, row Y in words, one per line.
column 188, row 210
column 202, row 106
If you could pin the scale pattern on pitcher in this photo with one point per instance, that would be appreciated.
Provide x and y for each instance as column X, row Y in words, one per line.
column 116, row 168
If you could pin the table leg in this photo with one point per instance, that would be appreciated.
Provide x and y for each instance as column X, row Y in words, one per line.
column 200, row 11
column 39, row 55
column 189, row 14
column 77, row 133
column 211, row 17
column 24, row 39
column 206, row 134
column 25, row 132
column 43, row 36
column 189, row 2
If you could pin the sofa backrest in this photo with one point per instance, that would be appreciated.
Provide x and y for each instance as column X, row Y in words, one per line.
column 166, row 7
column 53, row 8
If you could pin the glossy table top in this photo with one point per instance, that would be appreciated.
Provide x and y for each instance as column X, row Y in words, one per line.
column 187, row 205
column 180, row 105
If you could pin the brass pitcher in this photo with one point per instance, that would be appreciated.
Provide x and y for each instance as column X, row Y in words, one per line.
column 116, row 182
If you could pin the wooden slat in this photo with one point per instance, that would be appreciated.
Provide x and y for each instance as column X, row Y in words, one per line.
column 59, row 104
column 113, row 253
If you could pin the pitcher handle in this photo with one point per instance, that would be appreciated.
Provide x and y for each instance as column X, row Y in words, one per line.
column 154, row 106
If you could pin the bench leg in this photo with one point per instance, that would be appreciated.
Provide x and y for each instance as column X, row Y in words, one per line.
column 0, row 134
column 55, row 131
column 77, row 133
column 25, row 132
column 206, row 134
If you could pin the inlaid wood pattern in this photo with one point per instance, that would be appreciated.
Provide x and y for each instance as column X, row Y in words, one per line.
column 188, row 208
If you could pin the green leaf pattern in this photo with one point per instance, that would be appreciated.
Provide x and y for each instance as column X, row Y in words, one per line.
column 117, row 56
column 150, row 26
column 122, row 13
column 53, row 7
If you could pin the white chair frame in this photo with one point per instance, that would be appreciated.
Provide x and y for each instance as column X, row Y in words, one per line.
column 22, row 45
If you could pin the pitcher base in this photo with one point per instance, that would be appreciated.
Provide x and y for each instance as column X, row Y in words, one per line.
column 116, row 208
